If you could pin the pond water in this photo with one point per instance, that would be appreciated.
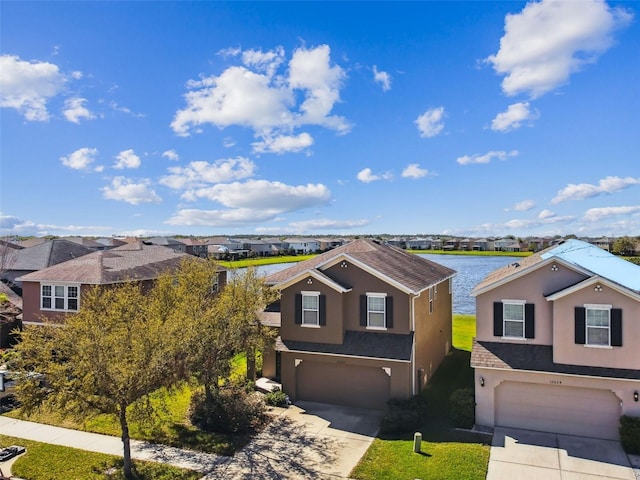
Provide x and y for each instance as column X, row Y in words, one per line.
column 471, row 269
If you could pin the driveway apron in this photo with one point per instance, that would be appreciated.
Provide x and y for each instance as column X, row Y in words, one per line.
column 528, row 455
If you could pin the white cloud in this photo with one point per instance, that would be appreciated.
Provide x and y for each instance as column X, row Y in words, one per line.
column 413, row 170
column 367, row 176
column 585, row 190
column 513, row 117
column 264, row 195
column 171, row 155
column 228, row 142
column 431, row 122
column 198, row 174
column 383, row 78
column 595, row 214
column 127, row 159
column 127, row 110
column 220, row 218
column 11, row 225
column 27, row 86
column 74, row 110
column 254, row 96
column 283, row 143
column 546, row 214
column 550, row 39
column 127, row 190
column 486, row 158
column 267, row 62
column 80, row 159
column 522, row 206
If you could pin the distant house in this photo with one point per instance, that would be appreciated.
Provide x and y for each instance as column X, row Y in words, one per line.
column 451, row 244
column 195, row 247
column 56, row 291
column 556, row 347
column 86, row 242
column 302, row 245
column 604, row 243
column 168, row 242
column 360, row 324
column 418, row 243
column 16, row 263
column 225, row 248
column 483, row 245
column 329, row 243
column 397, row 242
column 111, row 242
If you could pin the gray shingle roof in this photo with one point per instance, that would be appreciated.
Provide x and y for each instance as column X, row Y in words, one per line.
column 360, row 344
column 414, row 272
column 135, row 261
column 539, row 358
column 46, row 254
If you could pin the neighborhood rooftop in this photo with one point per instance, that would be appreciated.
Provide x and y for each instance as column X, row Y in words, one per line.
column 412, row 271
column 580, row 254
column 136, row 261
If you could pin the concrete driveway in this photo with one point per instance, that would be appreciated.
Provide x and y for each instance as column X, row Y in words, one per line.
column 528, row 455
column 305, row 441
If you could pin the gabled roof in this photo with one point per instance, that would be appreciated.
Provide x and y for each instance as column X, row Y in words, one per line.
column 167, row 241
column 45, row 255
column 85, row 242
column 136, row 261
column 410, row 272
column 581, row 256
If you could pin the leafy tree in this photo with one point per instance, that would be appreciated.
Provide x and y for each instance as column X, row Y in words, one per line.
column 624, row 246
column 107, row 358
column 209, row 335
column 245, row 296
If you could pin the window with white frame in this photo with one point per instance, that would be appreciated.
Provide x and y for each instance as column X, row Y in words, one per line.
column 598, row 323
column 513, row 318
column 59, row 297
column 310, row 308
column 376, row 310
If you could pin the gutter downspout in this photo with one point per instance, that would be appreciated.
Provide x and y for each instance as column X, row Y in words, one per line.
column 413, row 343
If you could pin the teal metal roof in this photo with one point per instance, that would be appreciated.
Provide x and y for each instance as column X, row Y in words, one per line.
column 598, row 261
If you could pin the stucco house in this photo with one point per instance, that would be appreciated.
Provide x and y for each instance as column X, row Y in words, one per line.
column 360, row 324
column 556, row 342
column 54, row 292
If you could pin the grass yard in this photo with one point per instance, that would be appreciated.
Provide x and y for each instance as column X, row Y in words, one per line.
column 446, row 453
column 169, row 426
column 255, row 262
column 51, row 462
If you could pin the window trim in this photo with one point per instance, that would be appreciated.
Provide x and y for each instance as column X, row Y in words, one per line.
column 305, row 293
column 505, row 320
column 384, row 311
column 596, row 306
column 65, row 297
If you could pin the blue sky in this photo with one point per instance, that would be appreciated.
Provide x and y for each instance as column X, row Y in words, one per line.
column 277, row 118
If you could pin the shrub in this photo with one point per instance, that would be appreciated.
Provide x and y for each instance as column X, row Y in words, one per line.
column 404, row 415
column 230, row 410
column 630, row 434
column 462, row 407
column 277, row 398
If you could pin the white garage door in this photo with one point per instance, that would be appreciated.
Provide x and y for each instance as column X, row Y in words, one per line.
column 342, row 384
column 554, row 408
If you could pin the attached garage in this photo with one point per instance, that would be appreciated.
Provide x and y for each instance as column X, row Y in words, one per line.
column 584, row 412
column 342, row 384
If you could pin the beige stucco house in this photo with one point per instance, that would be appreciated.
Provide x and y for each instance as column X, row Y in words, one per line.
column 360, row 324
column 556, row 343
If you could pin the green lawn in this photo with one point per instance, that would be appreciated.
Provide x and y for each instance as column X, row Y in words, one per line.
column 446, row 453
column 254, row 262
column 169, row 426
column 52, row 462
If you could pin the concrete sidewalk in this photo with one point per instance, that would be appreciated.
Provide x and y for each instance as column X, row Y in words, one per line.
column 94, row 442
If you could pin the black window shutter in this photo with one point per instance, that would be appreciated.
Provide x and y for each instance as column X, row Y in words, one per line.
column 363, row 310
column 580, row 326
column 322, row 307
column 529, row 320
column 497, row 319
column 616, row 327
column 298, row 315
column 389, row 312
